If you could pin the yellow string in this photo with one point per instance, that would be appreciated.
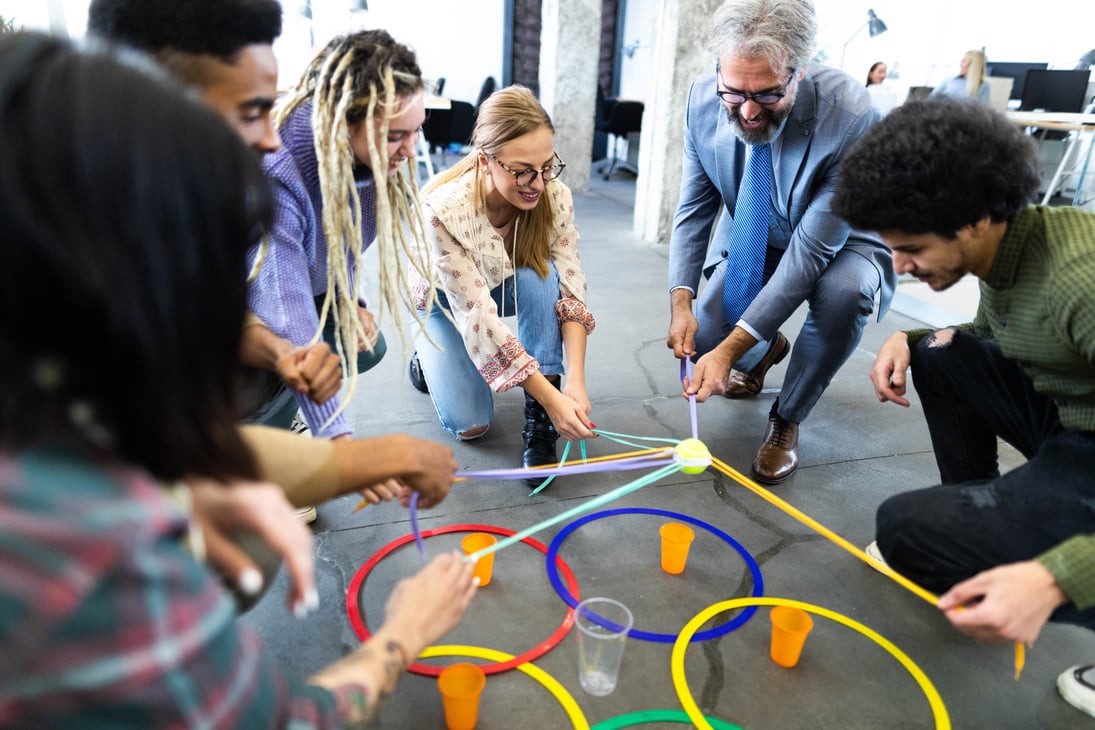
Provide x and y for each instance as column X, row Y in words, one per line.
column 1020, row 652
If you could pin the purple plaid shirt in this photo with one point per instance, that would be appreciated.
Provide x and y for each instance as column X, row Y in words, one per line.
column 106, row 620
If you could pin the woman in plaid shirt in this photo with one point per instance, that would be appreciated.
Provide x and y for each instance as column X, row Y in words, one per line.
column 120, row 201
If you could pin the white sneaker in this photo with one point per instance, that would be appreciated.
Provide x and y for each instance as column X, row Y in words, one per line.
column 307, row 515
column 1077, row 687
column 299, row 426
column 875, row 554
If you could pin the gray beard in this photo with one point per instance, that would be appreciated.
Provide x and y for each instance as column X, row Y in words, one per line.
column 761, row 135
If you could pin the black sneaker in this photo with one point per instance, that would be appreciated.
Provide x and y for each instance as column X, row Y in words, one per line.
column 418, row 380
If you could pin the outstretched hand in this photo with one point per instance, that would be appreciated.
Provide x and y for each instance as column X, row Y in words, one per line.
column 259, row 508
column 888, row 374
column 709, row 377
column 1008, row 603
column 427, row 606
column 682, row 324
column 570, row 418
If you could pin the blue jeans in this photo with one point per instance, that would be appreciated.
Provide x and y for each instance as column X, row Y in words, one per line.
column 461, row 396
column 977, row 519
column 841, row 302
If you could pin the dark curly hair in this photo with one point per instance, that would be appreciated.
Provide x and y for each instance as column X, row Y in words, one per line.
column 937, row 166
column 220, row 28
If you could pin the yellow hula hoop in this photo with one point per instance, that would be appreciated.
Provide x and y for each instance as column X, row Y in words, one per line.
column 558, row 691
column 680, row 682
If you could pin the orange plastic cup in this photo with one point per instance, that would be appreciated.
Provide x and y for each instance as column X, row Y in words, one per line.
column 676, row 539
column 461, row 685
column 789, row 629
column 484, row 567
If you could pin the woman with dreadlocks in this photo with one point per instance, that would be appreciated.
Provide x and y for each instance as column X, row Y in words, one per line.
column 341, row 181
column 503, row 242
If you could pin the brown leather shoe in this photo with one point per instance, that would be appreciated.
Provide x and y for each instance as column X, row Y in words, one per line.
column 748, row 384
column 777, row 457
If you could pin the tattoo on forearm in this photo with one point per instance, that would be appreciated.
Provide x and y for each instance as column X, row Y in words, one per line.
column 394, row 663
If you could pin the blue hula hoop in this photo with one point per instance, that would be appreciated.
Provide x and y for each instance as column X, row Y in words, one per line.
column 726, row 628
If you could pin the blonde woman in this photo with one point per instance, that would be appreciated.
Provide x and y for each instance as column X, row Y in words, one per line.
column 503, row 243
column 342, row 178
column 970, row 82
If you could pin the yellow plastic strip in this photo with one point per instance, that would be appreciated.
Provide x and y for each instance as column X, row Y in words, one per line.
column 1020, row 650
column 823, row 530
column 552, row 685
column 680, row 682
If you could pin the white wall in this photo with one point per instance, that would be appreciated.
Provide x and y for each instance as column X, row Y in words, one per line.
column 461, row 41
column 924, row 41
column 640, row 32
column 926, row 38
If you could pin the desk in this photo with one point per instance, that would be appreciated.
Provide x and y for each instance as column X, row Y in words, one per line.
column 1079, row 125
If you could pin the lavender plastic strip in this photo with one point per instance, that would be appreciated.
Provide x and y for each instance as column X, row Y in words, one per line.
column 418, row 541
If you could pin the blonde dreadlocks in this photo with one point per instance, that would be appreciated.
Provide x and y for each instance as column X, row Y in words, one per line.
column 361, row 77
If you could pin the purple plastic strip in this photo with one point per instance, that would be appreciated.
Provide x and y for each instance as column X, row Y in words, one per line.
column 687, row 364
column 414, row 528
column 647, row 461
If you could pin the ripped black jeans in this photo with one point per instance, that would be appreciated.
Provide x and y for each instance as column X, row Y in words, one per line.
column 978, row 519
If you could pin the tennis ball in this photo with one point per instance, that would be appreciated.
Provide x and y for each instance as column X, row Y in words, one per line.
column 694, row 456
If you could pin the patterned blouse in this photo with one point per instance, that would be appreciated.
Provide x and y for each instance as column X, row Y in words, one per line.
column 469, row 259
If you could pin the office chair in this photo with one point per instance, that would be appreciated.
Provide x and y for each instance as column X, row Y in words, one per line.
column 601, row 112
column 453, row 126
column 625, row 118
column 488, row 88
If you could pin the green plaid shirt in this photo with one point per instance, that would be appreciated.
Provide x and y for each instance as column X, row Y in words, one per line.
column 1038, row 303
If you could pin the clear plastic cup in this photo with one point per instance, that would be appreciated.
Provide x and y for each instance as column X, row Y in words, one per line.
column 602, row 624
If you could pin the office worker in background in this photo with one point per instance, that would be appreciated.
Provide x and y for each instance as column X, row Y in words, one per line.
column 876, row 74
column 883, row 96
column 503, row 242
column 949, row 185
column 119, row 199
column 222, row 50
column 970, row 83
column 767, row 105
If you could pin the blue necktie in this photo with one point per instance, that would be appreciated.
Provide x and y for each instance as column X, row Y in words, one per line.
column 749, row 235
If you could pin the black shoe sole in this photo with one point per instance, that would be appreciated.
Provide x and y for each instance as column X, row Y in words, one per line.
column 418, row 380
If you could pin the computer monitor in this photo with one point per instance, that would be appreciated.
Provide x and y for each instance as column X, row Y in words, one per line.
column 1015, row 71
column 1055, row 91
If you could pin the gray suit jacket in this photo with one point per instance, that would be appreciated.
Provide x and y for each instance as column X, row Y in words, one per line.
column 831, row 111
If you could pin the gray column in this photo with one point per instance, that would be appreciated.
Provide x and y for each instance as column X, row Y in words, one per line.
column 679, row 57
column 569, row 46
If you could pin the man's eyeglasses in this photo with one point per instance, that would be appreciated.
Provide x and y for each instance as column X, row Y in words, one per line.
column 527, row 177
column 764, row 98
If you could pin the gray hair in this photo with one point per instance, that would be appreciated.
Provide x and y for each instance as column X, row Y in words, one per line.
column 782, row 31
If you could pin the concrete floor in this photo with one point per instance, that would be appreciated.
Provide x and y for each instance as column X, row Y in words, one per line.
column 855, row 452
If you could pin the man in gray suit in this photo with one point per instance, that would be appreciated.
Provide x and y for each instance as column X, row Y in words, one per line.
column 765, row 91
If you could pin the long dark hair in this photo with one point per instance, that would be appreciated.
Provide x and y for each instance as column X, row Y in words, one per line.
column 125, row 213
